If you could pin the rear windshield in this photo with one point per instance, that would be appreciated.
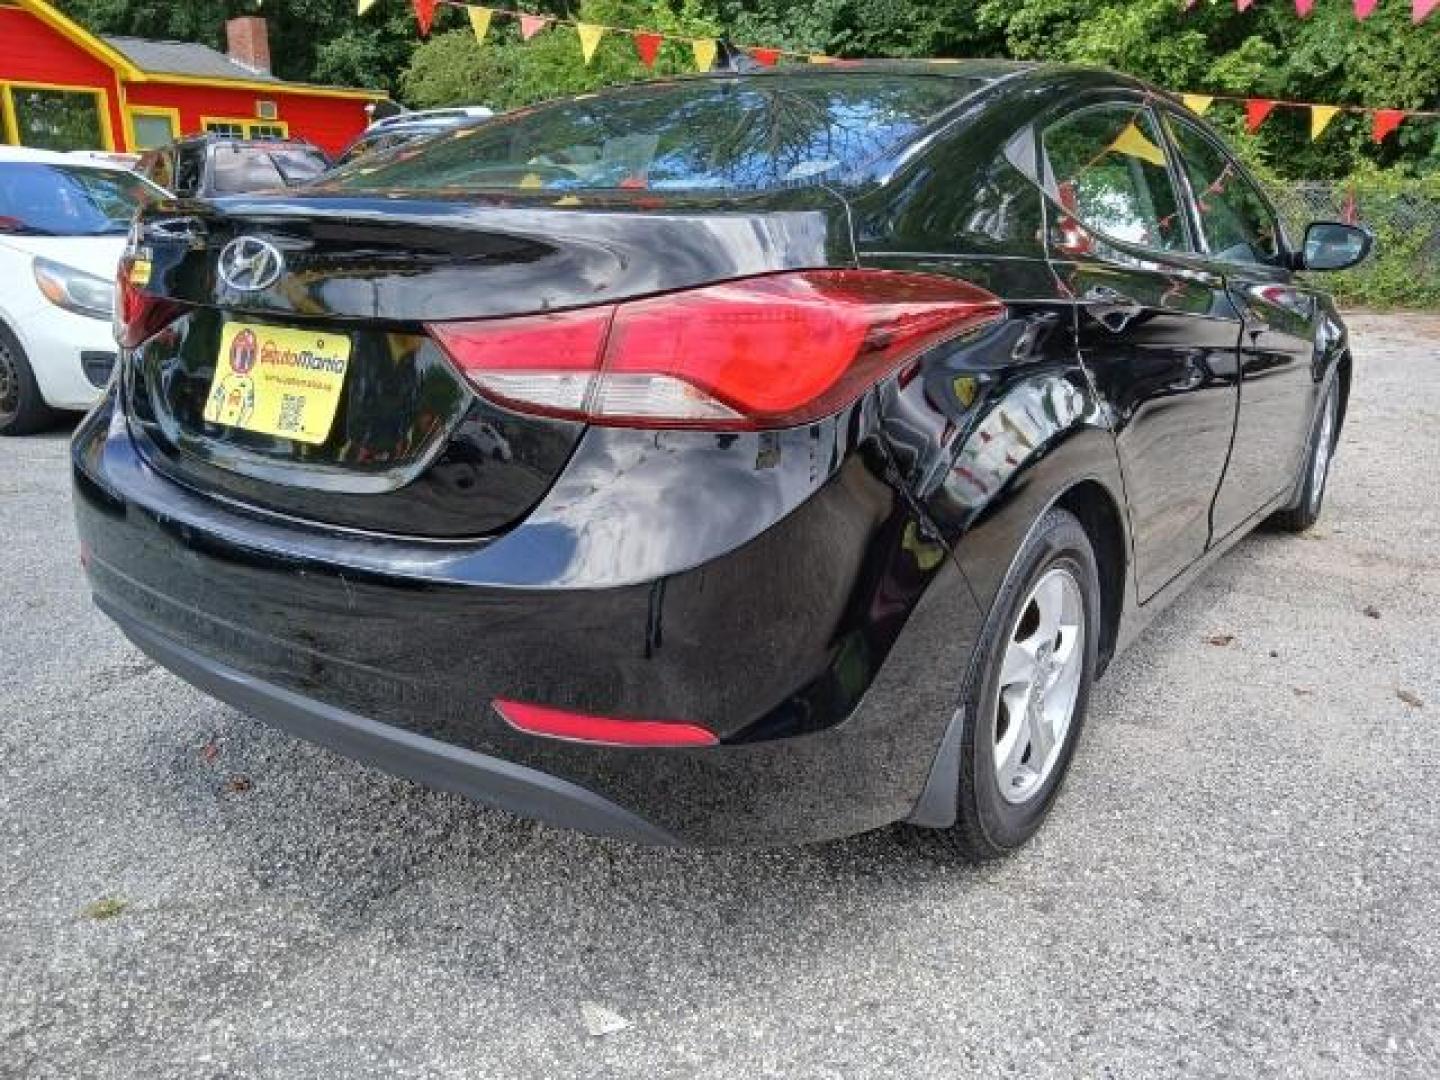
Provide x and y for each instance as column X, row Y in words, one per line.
column 237, row 169
column 708, row 134
column 41, row 199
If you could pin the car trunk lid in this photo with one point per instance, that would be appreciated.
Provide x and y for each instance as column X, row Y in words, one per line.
column 388, row 436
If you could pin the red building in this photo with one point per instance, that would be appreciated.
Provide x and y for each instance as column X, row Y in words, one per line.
column 64, row 88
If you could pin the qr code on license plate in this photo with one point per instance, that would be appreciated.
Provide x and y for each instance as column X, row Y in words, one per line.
column 292, row 413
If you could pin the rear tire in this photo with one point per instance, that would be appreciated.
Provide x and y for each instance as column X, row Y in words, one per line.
column 1306, row 512
column 22, row 409
column 1026, row 693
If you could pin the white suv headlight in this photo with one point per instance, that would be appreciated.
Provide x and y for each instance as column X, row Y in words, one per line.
column 74, row 290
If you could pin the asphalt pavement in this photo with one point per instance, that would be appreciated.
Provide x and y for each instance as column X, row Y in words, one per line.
column 1241, row 877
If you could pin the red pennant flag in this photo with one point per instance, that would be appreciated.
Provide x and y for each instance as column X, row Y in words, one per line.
column 1420, row 10
column 1256, row 110
column 1365, row 8
column 1386, row 121
column 1304, row 7
column 424, row 14
column 765, row 57
column 530, row 25
column 648, row 46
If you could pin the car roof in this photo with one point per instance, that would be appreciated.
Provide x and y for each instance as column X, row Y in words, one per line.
column 26, row 154
column 211, row 139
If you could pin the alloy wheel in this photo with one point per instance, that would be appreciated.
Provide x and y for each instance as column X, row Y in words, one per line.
column 1039, row 684
column 1324, row 449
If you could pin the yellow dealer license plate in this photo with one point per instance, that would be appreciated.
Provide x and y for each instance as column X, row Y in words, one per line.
column 278, row 382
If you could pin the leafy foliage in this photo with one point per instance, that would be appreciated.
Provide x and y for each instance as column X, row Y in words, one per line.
column 452, row 68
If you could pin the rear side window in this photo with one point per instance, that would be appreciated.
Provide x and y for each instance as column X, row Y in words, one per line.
column 239, row 169
column 708, row 134
column 1109, row 169
column 43, row 199
column 1237, row 224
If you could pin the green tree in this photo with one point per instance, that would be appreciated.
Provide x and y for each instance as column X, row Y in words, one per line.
column 504, row 72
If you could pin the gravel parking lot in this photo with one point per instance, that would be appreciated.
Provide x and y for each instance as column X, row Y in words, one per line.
column 1241, row 877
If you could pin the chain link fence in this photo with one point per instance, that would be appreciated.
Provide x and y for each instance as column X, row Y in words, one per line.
column 1405, row 270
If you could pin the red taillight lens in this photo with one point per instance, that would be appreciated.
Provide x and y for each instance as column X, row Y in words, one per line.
column 603, row 730
column 139, row 316
column 755, row 353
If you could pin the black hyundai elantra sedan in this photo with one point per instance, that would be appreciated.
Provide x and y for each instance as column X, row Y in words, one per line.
column 738, row 459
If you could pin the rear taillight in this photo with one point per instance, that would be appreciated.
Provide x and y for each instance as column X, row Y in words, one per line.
column 602, row 730
column 140, row 315
column 755, row 353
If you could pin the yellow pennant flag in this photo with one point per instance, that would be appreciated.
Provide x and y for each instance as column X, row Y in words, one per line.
column 704, row 50
column 1320, row 117
column 364, row 6
column 590, row 36
column 480, row 22
column 1133, row 143
column 1197, row 103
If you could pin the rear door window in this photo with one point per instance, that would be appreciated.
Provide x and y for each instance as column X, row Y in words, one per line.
column 1108, row 168
column 1235, row 219
column 747, row 134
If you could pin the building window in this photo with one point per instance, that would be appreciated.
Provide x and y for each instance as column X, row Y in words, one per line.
column 56, row 119
column 245, row 129
column 151, row 129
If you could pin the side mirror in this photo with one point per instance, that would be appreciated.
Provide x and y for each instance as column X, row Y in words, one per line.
column 1330, row 245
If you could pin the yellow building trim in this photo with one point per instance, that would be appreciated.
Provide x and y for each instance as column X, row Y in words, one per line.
column 101, row 96
column 132, row 111
column 260, row 86
column 7, row 108
column 77, row 35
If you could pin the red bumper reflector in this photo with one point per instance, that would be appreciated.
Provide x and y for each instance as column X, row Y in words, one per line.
column 604, row 730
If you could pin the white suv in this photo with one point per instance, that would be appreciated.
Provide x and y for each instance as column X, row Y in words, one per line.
column 63, row 221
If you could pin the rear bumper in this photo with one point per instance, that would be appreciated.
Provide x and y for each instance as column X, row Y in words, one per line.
column 503, row 784
column 825, row 650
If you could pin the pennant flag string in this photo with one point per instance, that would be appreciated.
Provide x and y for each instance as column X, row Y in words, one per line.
column 480, row 22
column 1420, row 10
column 1256, row 110
column 590, row 35
column 1320, row 117
column 1386, row 121
column 647, row 42
column 647, row 46
column 704, row 51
